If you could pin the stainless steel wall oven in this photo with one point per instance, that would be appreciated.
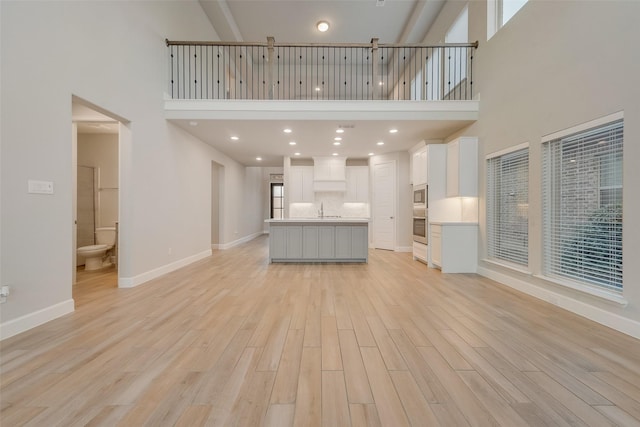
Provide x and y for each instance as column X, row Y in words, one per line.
column 420, row 213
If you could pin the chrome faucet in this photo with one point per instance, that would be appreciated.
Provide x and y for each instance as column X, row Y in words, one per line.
column 321, row 211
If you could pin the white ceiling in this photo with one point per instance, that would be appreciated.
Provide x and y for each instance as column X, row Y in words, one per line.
column 266, row 138
column 294, row 21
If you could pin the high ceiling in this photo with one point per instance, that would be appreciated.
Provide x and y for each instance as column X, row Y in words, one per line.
column 294, row 21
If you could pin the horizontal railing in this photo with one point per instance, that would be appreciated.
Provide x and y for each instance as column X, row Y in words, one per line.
column 373, row 71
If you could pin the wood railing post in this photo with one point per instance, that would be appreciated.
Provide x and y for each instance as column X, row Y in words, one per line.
column 374, row 65
column 270, row 55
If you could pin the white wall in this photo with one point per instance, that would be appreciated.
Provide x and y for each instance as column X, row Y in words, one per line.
column 113, row 55
column 553, row 66
column 100, row 151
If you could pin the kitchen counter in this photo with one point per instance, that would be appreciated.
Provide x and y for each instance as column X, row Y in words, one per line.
column 326, row 219
column 327, row 239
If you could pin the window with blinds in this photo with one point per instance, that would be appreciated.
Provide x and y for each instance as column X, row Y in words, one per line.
column 582, row 207
column 508, row 207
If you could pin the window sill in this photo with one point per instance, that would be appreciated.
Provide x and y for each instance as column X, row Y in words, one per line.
column 586, row 289
column 504, row 264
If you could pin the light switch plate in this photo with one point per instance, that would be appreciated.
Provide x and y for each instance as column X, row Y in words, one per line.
column 40, row 187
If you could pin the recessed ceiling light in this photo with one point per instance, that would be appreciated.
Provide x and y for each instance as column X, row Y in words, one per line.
column 322, row 26
column 235, row 138
column 258, row 158
column 337, row 138
column 334, row 154
column 380, row 143
column 317, row 89
column 336, row 143
column 193, row 123
column 339, row 130
column 292, row 143
column 287, row 130
column 393, row 130
column 371, row 154
column 296, row 154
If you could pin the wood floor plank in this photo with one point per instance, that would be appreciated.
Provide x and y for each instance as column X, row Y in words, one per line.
column 234, row 340
column 335, row 406
column 388, row 403
column 357, row 384
column 309, row 395
column 286, row 383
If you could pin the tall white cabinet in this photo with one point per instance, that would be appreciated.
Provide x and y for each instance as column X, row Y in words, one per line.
column 419, row 167
column 462, row 167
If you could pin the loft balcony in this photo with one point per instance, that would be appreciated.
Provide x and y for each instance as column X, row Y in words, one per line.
column 314, row 72
column 219, row 89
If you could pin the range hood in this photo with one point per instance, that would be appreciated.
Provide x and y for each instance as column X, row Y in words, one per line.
column 329, row 174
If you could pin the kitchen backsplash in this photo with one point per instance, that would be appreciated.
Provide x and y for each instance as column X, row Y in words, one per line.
column 333, row 204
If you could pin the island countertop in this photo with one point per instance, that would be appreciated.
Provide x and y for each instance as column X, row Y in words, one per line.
column 323, row 220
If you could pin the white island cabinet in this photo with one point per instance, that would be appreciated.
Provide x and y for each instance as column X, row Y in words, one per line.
column 318, row 240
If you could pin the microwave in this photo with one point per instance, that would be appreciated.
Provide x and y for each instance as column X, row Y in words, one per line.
column 420, row 196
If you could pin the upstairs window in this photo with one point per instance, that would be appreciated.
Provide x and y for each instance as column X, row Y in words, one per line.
column 499, row 12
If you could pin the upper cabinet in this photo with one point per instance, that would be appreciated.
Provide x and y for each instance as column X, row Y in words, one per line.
column 357, row 184
column 419, row 166
column 462, row 167
column 329, row 173
column 301, row 184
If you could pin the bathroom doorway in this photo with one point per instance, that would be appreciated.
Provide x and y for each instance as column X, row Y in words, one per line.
column 96, row 153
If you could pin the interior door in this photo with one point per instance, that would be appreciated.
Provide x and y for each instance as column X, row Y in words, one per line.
column 384, row 205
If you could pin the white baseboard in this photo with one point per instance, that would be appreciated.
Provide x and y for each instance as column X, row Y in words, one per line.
column 131, row 282
column 606, row 318
column 240, row 241
column 37, row 318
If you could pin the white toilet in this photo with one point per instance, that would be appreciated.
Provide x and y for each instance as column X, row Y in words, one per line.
column 95, row 256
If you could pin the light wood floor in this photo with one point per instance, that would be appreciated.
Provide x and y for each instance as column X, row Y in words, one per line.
column 232, row 340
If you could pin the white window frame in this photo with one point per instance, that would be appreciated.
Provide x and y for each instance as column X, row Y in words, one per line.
column 603, row 291
column 495, row 17
column 502, row 256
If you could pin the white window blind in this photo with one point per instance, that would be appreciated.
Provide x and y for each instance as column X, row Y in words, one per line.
column 582, row 207
column 508, row 207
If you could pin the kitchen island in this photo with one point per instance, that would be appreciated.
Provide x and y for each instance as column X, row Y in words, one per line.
column 318, row 239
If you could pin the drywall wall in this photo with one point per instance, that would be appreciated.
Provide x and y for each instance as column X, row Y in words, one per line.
column 553, row 66
column 113, row 55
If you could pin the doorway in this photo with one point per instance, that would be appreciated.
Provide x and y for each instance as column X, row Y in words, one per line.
column 384, row 205
column 97, row 138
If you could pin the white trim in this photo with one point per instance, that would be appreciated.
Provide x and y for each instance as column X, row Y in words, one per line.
column 37, row 318
column 504, row 264
column 619, row 323
column 600, row 293
column 583, row 126
column 245, row 239
column 507, row 151
column 131, row 282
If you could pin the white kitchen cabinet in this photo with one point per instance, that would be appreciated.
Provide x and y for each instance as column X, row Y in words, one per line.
column 329, row 168
column 462, row 167
column 419, row 167
column 357, row 184
column 454, row 247
column 301, row 184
